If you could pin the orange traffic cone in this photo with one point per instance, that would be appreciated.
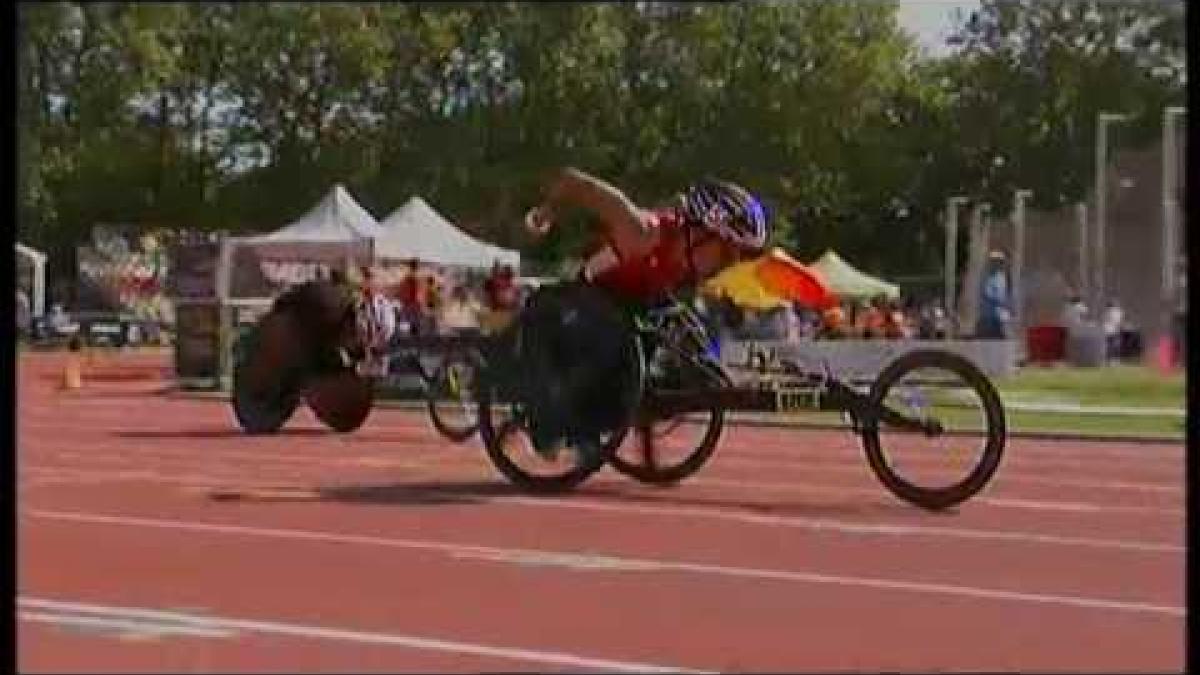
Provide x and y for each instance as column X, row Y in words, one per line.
column 72, row 377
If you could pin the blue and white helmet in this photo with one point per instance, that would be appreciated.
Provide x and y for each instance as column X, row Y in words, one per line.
column 375, row 320
column 728, row 210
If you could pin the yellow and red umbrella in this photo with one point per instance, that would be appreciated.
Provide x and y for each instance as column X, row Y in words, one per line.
column 772, row 280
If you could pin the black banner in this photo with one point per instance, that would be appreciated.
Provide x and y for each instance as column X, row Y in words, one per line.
column 197, row 341
column 193, row 270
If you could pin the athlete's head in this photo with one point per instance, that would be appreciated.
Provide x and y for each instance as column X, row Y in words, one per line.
column 723, row 223
column 729, row 211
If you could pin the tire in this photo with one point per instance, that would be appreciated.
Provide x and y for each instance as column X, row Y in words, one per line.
column 443, row 382
column 648, row 436
column 267, row 376
column 993, row 435
column 341, row 400
column 495, row 430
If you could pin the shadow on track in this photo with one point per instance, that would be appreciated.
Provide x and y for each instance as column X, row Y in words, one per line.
column 481, row 492
column 213, row 433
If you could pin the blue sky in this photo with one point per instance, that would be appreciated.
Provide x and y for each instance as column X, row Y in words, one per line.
column 931, row 20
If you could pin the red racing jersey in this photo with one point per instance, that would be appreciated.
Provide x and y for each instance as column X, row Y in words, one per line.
column 646, row 277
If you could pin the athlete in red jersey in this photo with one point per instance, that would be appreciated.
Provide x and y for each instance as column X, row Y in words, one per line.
column 640, row 256
column 646, row 253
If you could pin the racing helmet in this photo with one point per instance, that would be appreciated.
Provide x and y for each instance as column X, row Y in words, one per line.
column 729, row 210
column 375, row 320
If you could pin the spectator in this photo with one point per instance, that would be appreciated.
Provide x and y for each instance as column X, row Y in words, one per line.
column 833, row 324
column 410, row 293
column 870, row 320
column 895, row 323
column 1113, row 321
column 1074, row 313
column 501, row 297
column 994, row 302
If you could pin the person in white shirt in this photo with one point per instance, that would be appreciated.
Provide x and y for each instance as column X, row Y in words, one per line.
column 1112, row 322
column 1074, row 313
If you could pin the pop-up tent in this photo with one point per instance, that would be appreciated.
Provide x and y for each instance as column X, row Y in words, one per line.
column 848, row 282
column 416, row 230
column 336, row 229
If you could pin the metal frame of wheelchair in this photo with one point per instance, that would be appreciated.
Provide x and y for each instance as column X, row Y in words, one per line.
column 769, row 385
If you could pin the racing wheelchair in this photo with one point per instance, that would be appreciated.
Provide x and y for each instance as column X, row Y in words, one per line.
column 665, row 378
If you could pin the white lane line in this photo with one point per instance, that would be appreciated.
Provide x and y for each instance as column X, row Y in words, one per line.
column 590, row 561
column 240, row 479
column 138, row 456
column 365, row 637
column 1003, row 502
column 116, row 623
column 1005, row 474
column 845, row 526
column 1088, row 451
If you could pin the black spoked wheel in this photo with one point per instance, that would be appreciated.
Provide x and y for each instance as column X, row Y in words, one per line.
column 450, row 395
column 267, row 375
column 959, row 449
column 664, row 451
column 504, row 431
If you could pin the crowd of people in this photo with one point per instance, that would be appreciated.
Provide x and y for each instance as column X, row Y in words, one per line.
column 877, row 318
column 431, row 301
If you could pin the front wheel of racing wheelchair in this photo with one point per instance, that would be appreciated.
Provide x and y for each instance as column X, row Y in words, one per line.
column 933, row 429
column 557, row 320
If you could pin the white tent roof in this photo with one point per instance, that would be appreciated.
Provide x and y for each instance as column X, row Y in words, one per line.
column 416, row 230
column 336, row 227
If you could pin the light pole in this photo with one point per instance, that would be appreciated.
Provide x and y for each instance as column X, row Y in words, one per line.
column 1103, row 120
column 1081, row 218
column 1018, row 265
column 1170, row 190
column 951, row 256
column 978, row 242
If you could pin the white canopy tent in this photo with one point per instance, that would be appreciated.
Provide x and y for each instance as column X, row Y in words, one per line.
column 336, row 229
column 416, row 230
column 37, row 260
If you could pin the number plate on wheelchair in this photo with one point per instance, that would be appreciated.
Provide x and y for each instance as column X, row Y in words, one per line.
column 796, row 398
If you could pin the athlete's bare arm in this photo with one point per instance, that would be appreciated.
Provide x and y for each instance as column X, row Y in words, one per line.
column 621, row 218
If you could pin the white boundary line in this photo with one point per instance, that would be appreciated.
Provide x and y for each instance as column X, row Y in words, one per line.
column 345, row 635
column 232, row 479
column 125, row 625
column 490, row 553
column 1014, row 475
column 847, row 527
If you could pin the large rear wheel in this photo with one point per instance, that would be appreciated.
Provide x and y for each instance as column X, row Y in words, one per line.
column 268, row 373
column 664, row 451
column 342, row 400
column 503, row 428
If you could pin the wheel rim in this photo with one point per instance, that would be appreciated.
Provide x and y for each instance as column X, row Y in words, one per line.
column 940, row 469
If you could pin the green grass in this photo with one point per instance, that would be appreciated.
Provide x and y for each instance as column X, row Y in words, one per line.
column 1124, row 385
